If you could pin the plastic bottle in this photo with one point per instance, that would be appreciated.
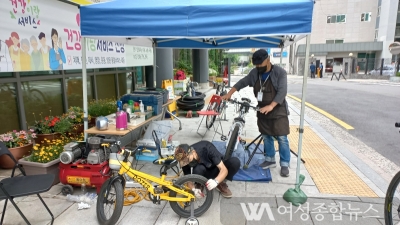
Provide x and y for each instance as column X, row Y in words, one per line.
column 83, row 188
column 141, row 106
column 131, row 105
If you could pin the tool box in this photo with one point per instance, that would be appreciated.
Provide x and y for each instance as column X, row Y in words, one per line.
column 154, row 91
column 155, row 101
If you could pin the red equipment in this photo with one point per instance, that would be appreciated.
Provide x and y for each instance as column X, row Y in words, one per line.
column 80, row 172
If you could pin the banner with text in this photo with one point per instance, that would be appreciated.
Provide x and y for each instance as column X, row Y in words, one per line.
column 45, row 35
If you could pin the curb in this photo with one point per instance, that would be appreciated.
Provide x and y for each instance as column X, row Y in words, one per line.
column 379, row 184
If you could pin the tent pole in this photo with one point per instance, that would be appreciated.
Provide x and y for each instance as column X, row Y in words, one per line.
column 84, row 84
column 154, row 65
column 303, row 100
column 280, row 60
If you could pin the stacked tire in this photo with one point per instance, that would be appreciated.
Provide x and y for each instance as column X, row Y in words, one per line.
column 194, row 103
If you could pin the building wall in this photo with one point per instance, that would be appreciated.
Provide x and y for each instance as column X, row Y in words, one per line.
column 387, row 26
column 353, row 30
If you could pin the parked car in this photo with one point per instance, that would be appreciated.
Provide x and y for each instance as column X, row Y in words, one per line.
column 388, row 70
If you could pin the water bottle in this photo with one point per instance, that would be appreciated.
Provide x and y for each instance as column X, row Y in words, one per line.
column 83, row 188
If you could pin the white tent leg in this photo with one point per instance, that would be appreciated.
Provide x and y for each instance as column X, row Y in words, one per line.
column 84, row 84
column 303, row 101
column 280, row 60
column 154, row 65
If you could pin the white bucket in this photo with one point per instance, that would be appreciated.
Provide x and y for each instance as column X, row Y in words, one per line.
column 115, row 163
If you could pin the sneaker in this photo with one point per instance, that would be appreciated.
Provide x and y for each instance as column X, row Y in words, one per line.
column 266, row 165
column 284, row 171
column 223, row 188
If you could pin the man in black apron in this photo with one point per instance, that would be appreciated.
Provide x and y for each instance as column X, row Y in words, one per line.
column 269, row 84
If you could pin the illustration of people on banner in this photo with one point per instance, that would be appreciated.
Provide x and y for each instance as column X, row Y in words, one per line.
column 43, row 58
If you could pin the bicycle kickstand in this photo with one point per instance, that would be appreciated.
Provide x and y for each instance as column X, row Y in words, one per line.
column 192, row 220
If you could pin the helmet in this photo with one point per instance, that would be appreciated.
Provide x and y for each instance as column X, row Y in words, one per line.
column 101, row 123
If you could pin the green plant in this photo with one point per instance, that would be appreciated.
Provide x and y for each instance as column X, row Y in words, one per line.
column 398, row 74
column 51, row 124
column 75, row 115
column 15, row 138
column 102, row 107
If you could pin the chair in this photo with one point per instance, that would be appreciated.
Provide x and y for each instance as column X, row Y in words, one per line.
column 212, row 110
column 18, row 186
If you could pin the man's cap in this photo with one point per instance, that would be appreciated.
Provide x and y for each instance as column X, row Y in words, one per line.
column 259, row 56
column 182, row 153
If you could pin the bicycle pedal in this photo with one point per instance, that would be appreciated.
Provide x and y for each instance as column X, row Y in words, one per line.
column 223, row 137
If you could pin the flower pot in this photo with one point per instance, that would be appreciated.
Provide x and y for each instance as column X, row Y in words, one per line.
column 7, row 163
column 33, row 168
column 92, row 122
column 40, row 138
column 76, row 130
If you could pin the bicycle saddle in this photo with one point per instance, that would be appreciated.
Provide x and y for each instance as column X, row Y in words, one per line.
column 246, row 99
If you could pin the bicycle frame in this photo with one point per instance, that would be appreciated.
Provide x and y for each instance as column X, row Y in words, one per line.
column 144, row 178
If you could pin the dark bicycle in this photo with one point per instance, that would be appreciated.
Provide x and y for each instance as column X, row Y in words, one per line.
column 392, row 200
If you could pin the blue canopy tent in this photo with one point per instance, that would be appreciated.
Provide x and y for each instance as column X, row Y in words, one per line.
column 199, row 24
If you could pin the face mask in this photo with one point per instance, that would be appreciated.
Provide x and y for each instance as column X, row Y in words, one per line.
column 193, row 163
column 261, row 69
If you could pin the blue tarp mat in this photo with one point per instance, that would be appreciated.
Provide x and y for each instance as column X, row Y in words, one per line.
column 253, row 172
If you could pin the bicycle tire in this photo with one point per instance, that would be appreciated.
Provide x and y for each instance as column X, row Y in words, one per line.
column 389, row 199
column 232, row 142
column 119, row 203
column 199, row 96
column 211, row 119
column 202, row 209
column 194, row 106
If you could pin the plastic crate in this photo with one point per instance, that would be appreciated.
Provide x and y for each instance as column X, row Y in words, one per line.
column 155, row 101
column 144, row 156
column 154, row 91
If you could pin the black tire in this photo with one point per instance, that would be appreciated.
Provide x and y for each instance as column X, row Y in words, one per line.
column 199, row 96
column 231, row 143
column 194, row 106
column 211, row 119
column 118, row 203
column 67, row 190
column 388, row 211
column 202, row 209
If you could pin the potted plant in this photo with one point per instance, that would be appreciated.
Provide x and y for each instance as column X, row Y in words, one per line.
column 45, row 158
column 19, row 143
column 212, row 75
column 101, row 107
column 75, row 116
column 50, row 127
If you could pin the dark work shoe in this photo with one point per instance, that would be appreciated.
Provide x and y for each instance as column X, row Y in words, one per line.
column 284, row 171
column 223, row 188
column 266, row 165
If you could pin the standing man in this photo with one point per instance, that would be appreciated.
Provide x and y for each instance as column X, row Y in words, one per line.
column 269, row 84
column 322, row 69
column 312, row 70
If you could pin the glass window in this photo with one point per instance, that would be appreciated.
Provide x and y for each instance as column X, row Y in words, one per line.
column 140, row 76
column 330, row 41
column 9, row 118
column 366, row 17
column 75, row 91
column 125, row 83
column 341, row 18
column 40, row 73
column 6, row 74
column 379, row 11
column 106, row 86
column 339, row 41
column 42, row 98
column 125, row 68
column 104, row 69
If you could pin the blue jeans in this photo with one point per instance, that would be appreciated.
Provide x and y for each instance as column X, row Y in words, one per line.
column 284, row 150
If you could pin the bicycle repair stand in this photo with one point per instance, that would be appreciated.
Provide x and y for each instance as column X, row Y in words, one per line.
column 256, row 148
column 338, row 78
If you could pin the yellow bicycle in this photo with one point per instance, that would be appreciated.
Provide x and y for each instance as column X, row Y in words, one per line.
column 179, row 192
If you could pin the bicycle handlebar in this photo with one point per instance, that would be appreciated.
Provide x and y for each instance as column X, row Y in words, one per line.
column 256, row 108
column 397, row 124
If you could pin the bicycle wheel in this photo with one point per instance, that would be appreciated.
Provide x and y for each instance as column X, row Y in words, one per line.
column 109, row 210
column 203, row 204
column 211, row 119
column 392, row 201
column 232, row 143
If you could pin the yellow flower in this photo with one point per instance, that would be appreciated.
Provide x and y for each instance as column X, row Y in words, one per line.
column 35, row 147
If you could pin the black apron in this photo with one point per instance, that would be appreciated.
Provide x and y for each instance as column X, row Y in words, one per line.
column 276, row 122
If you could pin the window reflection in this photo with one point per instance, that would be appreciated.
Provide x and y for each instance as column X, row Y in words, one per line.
column 42, row 97
column 124, row 83
column 75, row 91
column 8, row 107
column 106, row 86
